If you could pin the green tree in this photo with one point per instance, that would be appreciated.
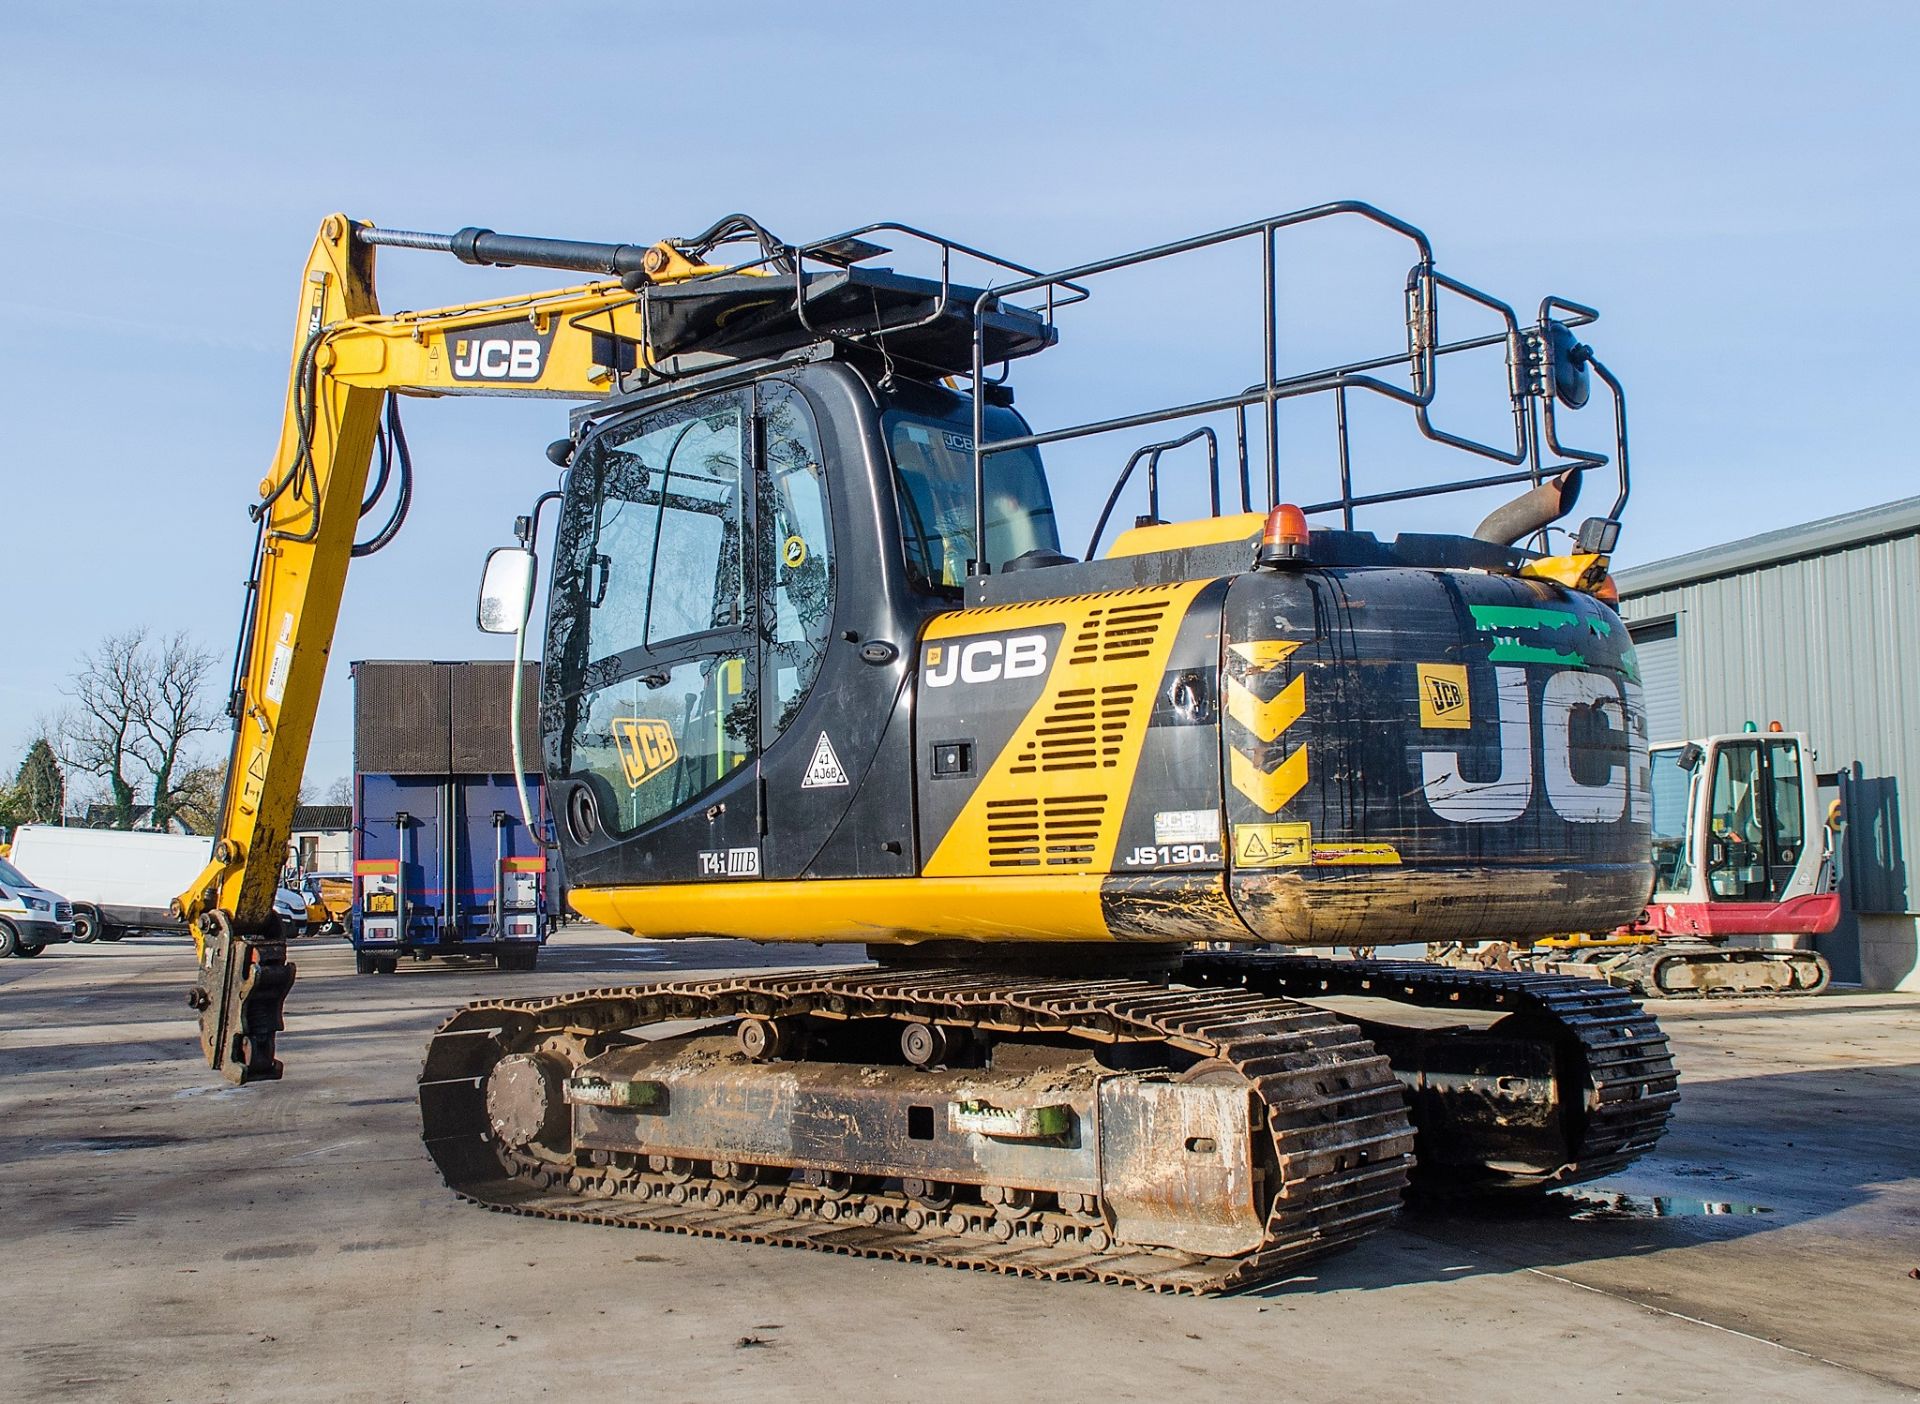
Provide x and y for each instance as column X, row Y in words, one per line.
column 13, row 808
column 41, row 785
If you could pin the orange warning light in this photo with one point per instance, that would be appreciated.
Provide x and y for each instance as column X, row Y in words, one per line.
column 1285, row 537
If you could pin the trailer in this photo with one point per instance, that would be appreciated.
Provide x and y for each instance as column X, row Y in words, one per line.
column 119, row 881
column 444, row 864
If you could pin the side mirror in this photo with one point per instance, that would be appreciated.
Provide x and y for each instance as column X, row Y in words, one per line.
column 506, row 590
column 1689, row 756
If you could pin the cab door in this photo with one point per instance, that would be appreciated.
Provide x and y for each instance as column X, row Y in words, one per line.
column 814, row 748
column 1756, row 835
column 651, row 697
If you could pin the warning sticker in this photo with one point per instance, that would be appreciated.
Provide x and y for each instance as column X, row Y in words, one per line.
column 824, row 771
column 1271, row 845
column 1292, row 846
column 1355, row 855
column 1444, row 702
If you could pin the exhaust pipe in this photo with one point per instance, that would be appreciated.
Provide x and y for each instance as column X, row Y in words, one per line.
column 1537, row 507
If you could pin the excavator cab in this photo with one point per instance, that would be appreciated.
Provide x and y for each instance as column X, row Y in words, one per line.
column 1737, row 840
column 736, row 583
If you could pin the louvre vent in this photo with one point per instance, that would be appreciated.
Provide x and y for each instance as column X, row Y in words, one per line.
column 1083, row 730
column 1114, row 633
column 1061, row 831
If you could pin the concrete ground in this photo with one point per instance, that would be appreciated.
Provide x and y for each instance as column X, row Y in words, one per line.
column 171, row 1238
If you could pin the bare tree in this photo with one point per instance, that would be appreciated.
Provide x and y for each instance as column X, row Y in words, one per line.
column 197, row 802
column 341, row 791
column 137, row 709
column 173, row 710
column 102, row 729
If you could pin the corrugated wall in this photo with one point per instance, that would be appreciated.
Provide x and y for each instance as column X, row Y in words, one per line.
column 1829, row 646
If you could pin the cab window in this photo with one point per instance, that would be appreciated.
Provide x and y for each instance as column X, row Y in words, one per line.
column 1672, row 789
column 1789, row 801
column 929, row 435
column 663, row 560
column 657, row 740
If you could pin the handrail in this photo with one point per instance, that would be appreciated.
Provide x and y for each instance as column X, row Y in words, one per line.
column 1528, row 352
column 1152, row 452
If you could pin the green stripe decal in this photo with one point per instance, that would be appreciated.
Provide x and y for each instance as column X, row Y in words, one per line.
column 1529, row 617
column 1505, row 621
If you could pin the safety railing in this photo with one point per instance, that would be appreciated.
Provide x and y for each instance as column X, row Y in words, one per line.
column 1545, row 367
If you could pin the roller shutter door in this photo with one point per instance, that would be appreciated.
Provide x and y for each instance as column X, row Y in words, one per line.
column 1657, row 645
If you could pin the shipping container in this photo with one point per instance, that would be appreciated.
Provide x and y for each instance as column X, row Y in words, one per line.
column 444, row 864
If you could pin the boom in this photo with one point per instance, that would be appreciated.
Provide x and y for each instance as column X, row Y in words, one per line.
column 348, row 359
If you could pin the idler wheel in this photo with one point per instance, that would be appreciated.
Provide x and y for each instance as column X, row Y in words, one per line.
column 526, row 1100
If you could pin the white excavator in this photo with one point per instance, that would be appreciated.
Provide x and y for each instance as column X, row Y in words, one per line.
column 1744, row 879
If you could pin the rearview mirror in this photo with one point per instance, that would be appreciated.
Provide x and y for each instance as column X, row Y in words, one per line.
column 506, row 590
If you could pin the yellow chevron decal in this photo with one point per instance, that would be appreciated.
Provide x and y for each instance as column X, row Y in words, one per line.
column 1264, row 655
column 1270, row 789
column 1267, row 719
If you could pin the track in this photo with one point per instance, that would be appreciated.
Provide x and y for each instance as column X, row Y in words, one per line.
column 1336, row 1158
column 1676, row 971
column 1337, row 1149
column 1614, row 1068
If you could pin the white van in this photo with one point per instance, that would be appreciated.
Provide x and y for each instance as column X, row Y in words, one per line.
column 30, row 917
column 118, row 881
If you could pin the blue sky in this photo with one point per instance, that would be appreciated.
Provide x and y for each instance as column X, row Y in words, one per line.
column 1733, row 186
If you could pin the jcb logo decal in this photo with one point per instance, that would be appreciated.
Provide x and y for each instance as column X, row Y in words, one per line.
column 1444, row 701
column 986, row 660
column 491, row 353
column 646, row 748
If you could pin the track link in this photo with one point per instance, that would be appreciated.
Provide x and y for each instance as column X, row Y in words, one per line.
column 1612, row 1051
column 1337, row 1158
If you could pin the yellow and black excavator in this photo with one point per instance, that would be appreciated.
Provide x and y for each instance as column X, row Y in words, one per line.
column 816, row 668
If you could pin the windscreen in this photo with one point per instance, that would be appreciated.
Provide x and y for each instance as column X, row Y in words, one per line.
column 930, row 437
column 1672, row 872
column 12, row 876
